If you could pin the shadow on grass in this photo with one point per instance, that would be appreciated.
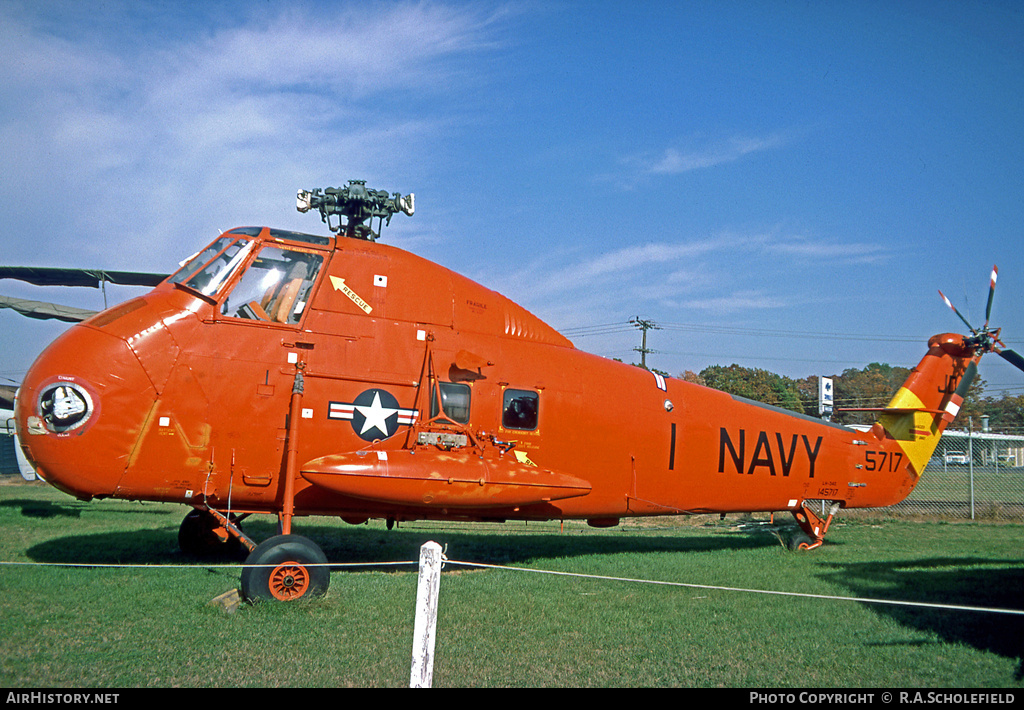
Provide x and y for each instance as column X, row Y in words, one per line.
column 973, row 582
column 32, row 508
column 366, row 546
column 44, row 508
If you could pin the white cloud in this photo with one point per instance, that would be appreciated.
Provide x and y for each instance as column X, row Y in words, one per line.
column 733, row 303
column 687, row 156
column 205, row 125
column 673, row 161
column 824, row 250
column 717, row 275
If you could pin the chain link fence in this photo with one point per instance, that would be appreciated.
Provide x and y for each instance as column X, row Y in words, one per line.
column 972, row 476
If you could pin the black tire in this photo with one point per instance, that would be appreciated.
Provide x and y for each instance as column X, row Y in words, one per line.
column 285, row 568
column 800, row 541
column 196, row 537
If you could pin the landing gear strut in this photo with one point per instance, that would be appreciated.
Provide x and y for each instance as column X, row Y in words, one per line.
column 204, row 534
column 812, row 528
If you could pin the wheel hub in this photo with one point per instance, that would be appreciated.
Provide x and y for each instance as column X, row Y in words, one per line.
column 289, row 580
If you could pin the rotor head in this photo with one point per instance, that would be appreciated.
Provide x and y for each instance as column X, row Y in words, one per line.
column 353, row 206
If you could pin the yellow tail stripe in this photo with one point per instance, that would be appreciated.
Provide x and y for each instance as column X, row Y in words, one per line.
column 917, row 433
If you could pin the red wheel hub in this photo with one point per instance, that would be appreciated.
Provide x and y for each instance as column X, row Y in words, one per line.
column 289, row 580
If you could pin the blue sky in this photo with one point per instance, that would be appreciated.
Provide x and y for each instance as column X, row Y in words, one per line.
column 782, row 185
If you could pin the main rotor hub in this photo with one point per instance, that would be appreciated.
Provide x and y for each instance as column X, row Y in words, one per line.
column 353, row 206
column 984, row 340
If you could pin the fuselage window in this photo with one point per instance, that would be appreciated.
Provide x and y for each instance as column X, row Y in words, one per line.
column 520, row 409
column 454, row 401
column 275, row 287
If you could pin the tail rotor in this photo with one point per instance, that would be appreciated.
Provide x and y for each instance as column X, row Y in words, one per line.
column 986, row 339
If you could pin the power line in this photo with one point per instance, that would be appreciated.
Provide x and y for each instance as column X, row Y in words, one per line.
column 610, row 328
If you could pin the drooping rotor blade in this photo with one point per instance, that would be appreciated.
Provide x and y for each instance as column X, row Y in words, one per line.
column 46, row 276
column 41, row 310
column 991, row 293
column 1012, row 357
column 948, row 303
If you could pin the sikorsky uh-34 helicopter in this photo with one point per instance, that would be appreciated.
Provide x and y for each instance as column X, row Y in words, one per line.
column 294, row 375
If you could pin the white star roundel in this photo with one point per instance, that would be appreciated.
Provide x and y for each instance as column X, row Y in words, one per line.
column 374, row 414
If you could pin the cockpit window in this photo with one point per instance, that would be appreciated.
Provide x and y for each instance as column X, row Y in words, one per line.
column 300, row 237
column 193, row 264
column 211, row 277
column 208, row 270
column 275, row 287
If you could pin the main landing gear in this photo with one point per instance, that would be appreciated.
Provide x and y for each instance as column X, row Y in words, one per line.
column 282, row 568
column 285, row 568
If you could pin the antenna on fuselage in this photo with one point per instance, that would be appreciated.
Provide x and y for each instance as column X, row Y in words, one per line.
column 353, row 206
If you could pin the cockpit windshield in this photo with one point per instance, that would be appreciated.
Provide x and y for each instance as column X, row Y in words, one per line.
column 208, row 270
column 274, row 287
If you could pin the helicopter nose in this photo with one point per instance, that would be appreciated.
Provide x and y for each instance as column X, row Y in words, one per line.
column 78, row 411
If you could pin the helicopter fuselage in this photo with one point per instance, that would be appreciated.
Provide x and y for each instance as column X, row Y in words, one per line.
column 333, row 376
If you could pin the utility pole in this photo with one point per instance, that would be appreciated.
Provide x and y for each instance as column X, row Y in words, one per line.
column 644, row 326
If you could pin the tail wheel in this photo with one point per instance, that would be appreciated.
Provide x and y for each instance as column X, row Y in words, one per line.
column 800, row 541
column 285, row 568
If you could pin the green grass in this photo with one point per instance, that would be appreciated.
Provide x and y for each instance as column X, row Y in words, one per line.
column 154, row 626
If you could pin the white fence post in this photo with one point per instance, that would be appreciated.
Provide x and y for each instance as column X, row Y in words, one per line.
column 426, row 616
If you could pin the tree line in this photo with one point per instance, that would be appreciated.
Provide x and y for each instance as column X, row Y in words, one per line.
column 871, row 386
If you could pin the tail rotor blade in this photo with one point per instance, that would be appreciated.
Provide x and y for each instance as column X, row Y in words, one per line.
column 991, row 293
column 1012, row 357
column 948, row 303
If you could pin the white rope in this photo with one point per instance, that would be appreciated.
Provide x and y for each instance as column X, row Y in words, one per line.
column 688, row 585
column 956, row 607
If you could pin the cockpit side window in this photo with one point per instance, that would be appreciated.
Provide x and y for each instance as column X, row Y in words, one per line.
column 520, row 409
column 275, row 287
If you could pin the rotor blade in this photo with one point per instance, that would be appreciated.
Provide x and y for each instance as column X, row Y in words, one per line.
column 1012, row 357
column 41, row 310
column 957, row 312
column 991, row 293
column 45, row 276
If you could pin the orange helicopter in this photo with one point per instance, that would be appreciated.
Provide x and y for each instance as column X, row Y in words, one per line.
column 294, row 375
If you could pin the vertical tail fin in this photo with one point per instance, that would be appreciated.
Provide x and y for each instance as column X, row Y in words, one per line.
column 930, row 398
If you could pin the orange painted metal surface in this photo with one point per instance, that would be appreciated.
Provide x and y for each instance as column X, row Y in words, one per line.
column 424, row 395
column 438, row 478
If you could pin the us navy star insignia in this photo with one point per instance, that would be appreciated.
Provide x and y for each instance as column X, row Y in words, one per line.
column 375, row 417
column 375, row 414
